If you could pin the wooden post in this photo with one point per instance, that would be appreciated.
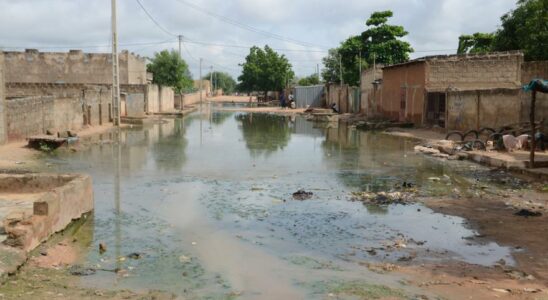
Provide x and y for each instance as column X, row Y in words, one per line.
column 532, row 120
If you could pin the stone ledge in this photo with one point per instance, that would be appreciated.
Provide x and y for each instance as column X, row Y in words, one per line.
column 61, row 199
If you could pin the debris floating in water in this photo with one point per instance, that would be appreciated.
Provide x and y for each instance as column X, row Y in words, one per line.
column 302, row 195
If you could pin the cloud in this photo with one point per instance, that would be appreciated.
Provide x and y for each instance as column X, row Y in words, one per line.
column 432, row 25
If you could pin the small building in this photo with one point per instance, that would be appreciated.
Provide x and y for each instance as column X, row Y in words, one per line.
column 451, row 91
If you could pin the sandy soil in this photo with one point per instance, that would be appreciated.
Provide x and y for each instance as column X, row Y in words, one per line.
column 16, row 156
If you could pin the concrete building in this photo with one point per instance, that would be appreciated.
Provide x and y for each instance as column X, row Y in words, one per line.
column 65, row 91
column 452, row 91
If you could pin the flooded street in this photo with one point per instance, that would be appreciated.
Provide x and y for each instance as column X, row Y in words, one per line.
column 202, row 207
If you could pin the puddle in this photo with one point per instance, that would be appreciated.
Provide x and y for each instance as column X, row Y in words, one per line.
column 207, row 203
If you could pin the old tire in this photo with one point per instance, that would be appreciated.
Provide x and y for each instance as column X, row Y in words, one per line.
column 454, row 133
column 486, row 130
column 473, row 133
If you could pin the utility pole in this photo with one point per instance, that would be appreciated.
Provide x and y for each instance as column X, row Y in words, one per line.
column 318, row 71
column 181, row 104
column 211, row 79
column 201, row 81
column 340, row 69
column 115, row 70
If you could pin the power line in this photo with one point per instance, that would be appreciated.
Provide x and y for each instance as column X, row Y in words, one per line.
column 154, row 20
column 247, row 47
column 248, row 27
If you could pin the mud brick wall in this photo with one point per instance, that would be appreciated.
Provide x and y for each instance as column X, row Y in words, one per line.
column 3, row 121
column 475, row 109
column 29, row 116
column 529, row 71
column 95, row 100
column 32, row 66
column 370, row 95
column 152, row 99
column 497, row 70
column 404, row 82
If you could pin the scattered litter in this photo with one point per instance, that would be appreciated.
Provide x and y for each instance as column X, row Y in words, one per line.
column 383, row 198
column 505, row 291
column 194, row 243
column 184, row 259
column 134, row 255
column 302, row 195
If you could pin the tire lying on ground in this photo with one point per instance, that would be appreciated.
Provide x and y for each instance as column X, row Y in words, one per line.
column 486, row 130
column 472, row 133
column 454, row 133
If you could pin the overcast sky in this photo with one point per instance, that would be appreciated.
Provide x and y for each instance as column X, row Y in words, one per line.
column 308, row 27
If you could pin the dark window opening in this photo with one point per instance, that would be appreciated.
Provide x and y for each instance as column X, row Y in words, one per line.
column 435, row 109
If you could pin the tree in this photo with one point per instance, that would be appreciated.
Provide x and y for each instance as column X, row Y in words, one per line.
column 309, row 80
column 525, row 28
column 330, row 73
column 265, row 70
column 380, row 43
column 170, row 70
column 222, row 81
column 476, row 43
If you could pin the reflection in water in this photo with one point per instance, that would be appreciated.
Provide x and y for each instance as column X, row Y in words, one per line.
column 264, row 133
column 169, row 150
column 200, row 200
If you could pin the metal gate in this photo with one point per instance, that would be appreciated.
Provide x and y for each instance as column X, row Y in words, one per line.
column 309, row 96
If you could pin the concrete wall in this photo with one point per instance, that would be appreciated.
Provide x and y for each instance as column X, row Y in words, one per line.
column 469, row 72
column 370, row 93
column 338, row 94
column 153, row 99
column 3, row 121
column 35, row 115
column 403, row 82
column 529, row 71
column 75, row 66
column 167, row 96
column 189, row 99
column 475, row 109
column 134, row 105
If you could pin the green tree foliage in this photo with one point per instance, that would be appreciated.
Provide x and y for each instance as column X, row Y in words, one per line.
column 309, row 80
column 330, row 73
column 380, row 43
column 170, row 70
column 223, row 81
column 476, row 43
column 525, row 28
column 264, row 70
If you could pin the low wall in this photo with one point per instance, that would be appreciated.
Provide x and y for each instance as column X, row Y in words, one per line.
column 189, row 99
column 339, row 95
column 65, row 198
column 35, row 115
column 371, row 93
column 482, row 108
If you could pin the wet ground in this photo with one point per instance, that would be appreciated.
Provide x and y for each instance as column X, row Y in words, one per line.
column 202, row 207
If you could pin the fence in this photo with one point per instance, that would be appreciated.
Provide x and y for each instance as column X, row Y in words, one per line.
column 309, row 96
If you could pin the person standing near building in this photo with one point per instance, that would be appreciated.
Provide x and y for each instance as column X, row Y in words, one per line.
column 282, row 99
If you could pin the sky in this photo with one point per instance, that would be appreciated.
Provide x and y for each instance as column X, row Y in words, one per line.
column 221, row 31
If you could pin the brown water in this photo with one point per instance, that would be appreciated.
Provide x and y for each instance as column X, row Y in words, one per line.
column 206, row 201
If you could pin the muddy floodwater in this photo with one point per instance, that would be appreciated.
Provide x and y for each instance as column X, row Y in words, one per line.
column 202, row 207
